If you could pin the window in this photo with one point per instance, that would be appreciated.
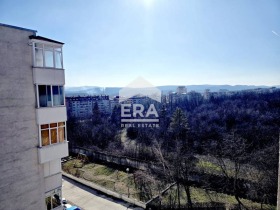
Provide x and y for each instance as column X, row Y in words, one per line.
column 39, row 57
column 50, row 95
column 52, row 133
column 58, row 96
column 58, row 57
column 47, row 56
column 45, row 98
column 53, row 199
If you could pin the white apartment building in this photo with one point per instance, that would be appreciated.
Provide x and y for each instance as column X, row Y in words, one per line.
column 81, row 107
column 33, row 120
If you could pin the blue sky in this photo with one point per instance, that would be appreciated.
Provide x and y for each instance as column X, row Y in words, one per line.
column 167, row 42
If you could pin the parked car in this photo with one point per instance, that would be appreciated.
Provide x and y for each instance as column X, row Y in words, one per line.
column 63, row 201
column 66, row 206
column 73, row 208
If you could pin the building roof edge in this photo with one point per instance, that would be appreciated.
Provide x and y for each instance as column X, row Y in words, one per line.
column 19, row 28
column 45, row 39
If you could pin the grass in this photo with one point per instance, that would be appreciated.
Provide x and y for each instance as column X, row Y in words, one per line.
column 103, row 170
column 118, row 181
column 208, row 166
column 104, row 176
column 199, row 195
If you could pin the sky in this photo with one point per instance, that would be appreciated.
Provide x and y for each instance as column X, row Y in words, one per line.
column 109, row 43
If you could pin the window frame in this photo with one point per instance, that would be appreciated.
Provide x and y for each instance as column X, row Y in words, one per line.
column 52, row 98
column 49, row 128
column 47, row 45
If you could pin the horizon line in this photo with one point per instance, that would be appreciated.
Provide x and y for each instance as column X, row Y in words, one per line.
column 173, row 85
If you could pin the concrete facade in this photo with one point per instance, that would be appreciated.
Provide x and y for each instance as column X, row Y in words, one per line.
column 82, row 106
column 23, row 179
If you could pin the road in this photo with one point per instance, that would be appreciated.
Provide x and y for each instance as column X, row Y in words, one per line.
column 89, row 199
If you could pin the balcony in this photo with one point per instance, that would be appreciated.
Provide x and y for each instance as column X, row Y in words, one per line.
column 51, row 114
column 50, row 76
column 53, row 152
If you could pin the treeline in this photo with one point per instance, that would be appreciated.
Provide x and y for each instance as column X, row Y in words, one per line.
column 240, row 132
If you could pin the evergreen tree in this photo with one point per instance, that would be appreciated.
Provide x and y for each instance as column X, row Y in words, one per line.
column 179, row 125
column 116, row 116
column 96, row 115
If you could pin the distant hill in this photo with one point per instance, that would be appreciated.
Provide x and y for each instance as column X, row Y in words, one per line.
column 112, row 91
column 91, row 90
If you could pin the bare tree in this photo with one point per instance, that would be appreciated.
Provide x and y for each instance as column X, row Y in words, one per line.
column 177, row 164
column 231, row 155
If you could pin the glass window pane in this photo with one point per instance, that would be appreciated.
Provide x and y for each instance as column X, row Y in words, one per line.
column 42, row 96
column 53, row 125
column 56, row 201
column 57, row 49
column 61, row 132
column 49, row 98
column 61, row 96
column 61, row 124
column 58, row 60
column 45, row 137
column 49, row 58
column 48, row 203
column 55, row 96
column 48, row 48
column 53, row 136
column 39, row 57
column 45, row 126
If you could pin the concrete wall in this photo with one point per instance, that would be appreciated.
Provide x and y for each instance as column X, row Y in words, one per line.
column 21, row 176
column 53, row 152
column 52, row 182
column 48, row 76
column 47, row 115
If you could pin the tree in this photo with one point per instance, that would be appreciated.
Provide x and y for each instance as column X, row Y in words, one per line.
column 96, row 115
column 179, row 125
column 264, row 171
column 231, row 154
column 115, row 118
column 175, row 167
column 181, row 155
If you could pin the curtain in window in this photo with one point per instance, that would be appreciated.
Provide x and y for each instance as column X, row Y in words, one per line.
column 61, row 131
column 45, row 98
column 56, row 101
column 53, row 133
column 45, row 137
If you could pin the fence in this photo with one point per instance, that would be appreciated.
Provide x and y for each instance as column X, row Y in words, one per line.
column 109, row 158
column 195, row 206
column 213, row 182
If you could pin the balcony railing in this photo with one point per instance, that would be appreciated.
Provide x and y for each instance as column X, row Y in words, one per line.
column 51, row 114
column 48, row 76
column 53, row 152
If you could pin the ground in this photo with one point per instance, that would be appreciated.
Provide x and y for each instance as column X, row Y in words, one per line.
column 88, row 199
column 118, row 181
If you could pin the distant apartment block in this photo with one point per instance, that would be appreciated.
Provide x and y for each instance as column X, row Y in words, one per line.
column 206, row 94
column 114, row 102
column 137, row 100
column 79, row 107
column 33, row 120
column 181, row 90
column 82, row 106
